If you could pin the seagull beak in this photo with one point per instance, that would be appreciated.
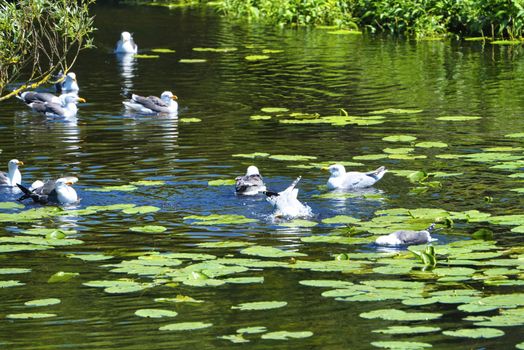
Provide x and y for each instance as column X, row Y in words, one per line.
column 175, row 97
column 81, row 99
column 324, row 168
column 20, row 162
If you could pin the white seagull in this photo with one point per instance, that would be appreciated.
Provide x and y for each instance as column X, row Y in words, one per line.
column 13, row 176
column 69, row 84
column 353, row 179
column 67, row 107
column 152, row 104
column 286, row 203
column 52, row 191
column 126, row 44
column 33, row 96
column 251, row 183
column 406, row 237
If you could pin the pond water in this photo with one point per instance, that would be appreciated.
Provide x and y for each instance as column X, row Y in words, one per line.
column 387, row 87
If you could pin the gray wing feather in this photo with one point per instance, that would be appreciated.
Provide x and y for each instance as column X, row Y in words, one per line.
column 243, row 183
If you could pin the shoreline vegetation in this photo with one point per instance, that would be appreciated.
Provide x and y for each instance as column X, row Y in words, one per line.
column 423, row 19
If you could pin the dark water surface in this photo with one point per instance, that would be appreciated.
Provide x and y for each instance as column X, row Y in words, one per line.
column 316, row 72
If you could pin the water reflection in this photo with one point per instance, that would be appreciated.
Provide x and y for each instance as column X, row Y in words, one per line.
column 126, row 65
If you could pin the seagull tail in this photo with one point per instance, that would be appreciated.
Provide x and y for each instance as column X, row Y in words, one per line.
column 271, row 194
column 30, row 194
column 292, row 186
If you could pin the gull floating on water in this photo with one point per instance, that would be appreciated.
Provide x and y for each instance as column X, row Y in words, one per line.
column 251, row 183
column 353, row 179
column 66, row 109
column 68, row 85
column 51, row 191
column 406, row 237
column 126, row 44
column 33, row 96
column 13, row 176
column 286, row 203
column 152, row 104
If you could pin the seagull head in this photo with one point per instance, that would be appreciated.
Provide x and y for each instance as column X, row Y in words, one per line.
column 71, row 76
column 14, row 163
column 71, row 98
column 336, row 170
column 167, row 96
column 252, row 170
column 66, row 181
column 125, row 36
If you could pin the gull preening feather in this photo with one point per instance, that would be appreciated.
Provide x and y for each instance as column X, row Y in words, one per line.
column 407, row 237
column 251, row 183
column 52, row 191
column 340, row 179
column 286, row 202
column 166, row 103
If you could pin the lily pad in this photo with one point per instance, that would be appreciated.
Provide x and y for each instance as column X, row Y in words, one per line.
column 123, row 188
column 10, row 283
column 260, row 117
column 407, row 330
column 190, row 120
column 285, row 335
column 401, row 345
column 62, row 276
column 256, row 57
column 399, row 138
column 148, row 183
column 141, row 210
column 155, row 313
column 13, row 270
column 42, row 302
column 269, row 252
column 90, row 257
column 185, row 326
column 145, row 56
column 431, row 144
column 399, row 315
column 252, row 330
column 475, row 333
column 274, row 110
column 11, row 205
column 28, row 316
column 218, row 219
column 251, row 155
column 260, row 305
column 215, row 49
column 192, row 60
column 221, row 182
column 160, row 50
column 345, row 32
column 458, row 118
column 148, row 229
column 341, row 219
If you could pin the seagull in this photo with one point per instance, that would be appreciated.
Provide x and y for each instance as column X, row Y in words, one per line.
column 126, row 44
column 353, row 179
column 66, row 109
column 406, row 237
column 251, row 183
column 69, row 84
column 32, row 96
column 286, row 203
column 152, row 104
column 52, row 191
column 13, row 176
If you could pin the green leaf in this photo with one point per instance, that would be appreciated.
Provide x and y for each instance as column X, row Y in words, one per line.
column 401, row 345
column 285, row 335
column 399, row 138
column 155, row 313
column 145, row 56
column 256, row 57
column 10, row 283
column 407, row 330
column 475, row 333
column 141, row 210
column 160, row 50
column 399, row 315
column 185, row 326
column 42, row 302
column 260, row 305
column 62, row 276
column 221, row 182
column 148, row 229
column 190, row 120
column 269, row 252
column 192, row 60
column 27, row 316
column 458, row 118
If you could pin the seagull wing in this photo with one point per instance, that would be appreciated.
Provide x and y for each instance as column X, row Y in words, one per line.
column 246, row 183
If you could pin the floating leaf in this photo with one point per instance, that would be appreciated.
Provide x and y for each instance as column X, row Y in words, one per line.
column 397, row 111
column 401, row 345
column 155, row 313
column 148, row 229
column 222, row 182
column 42, row 302
column 298, row 223
column 475, row 333
column 27, row 316
column 10, row 283
column 141, row 210
column 13, row 270
column 217, row 219
column 192, row 60
column 269, row 51
column 345, row 32
column 399, row 315
column 145, row 56
column 215, row 49
column 260, row 305
column 252, row 330
column 274, row 110
column 287, row 157
column 224, row 244
column 285, row 335
column 407, row 330
column 256, row 57
column 251, row 155
column 341, row 219
column 326, row 283
column 269, row 252
column 458, row 118
column 515, row 135
column 185, row 326
column 160, row 50
column 178, row 299
column 260, row 117
column 399, row 138
column 431, row 144
column 90, row 257
column 123, row 188
column 11, row 205
column 148, row 183
column 244, row 280
column 234, row 338
column 190, row 120
column 62, row 276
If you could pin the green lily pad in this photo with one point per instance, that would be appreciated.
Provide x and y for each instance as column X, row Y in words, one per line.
column 244, row 280
column 148, row 229
column 234, row 338
column 192, row 60
column 431, row 144
column 402, row 150
column 90, row 257
column 178, row 299
column 251, row 155
column 141, row 210
column 62, row 276
column 123, row 188
column 260, row 305
column 42, row 302
column 13, row 270
column 10, row 283
column 252, row 330
column 269, row 252
column 475, row 333
column 341, row 219
column 286, row 157
column 221, row 182
column 326, row 283
column 505, row 42
column 147, row 183
column 11, row 205
column 215, row 49
column 345, row 32
column 285, row 335
column 145, row 56
column 155, row 313
column 256, row 57
column 185, row 326
column 515, row 135
column 407, row 330
column 298, row 223
column 28, row 316
column 161, row 50
column 399, row 138
column 458, row 118
column 260, row 117
column 190, row 120
column 269, row 51
column 399, row 315
column 274, row 110
column 397, row 111
column 218, row 219
column 401, row 345
column 224, row 244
